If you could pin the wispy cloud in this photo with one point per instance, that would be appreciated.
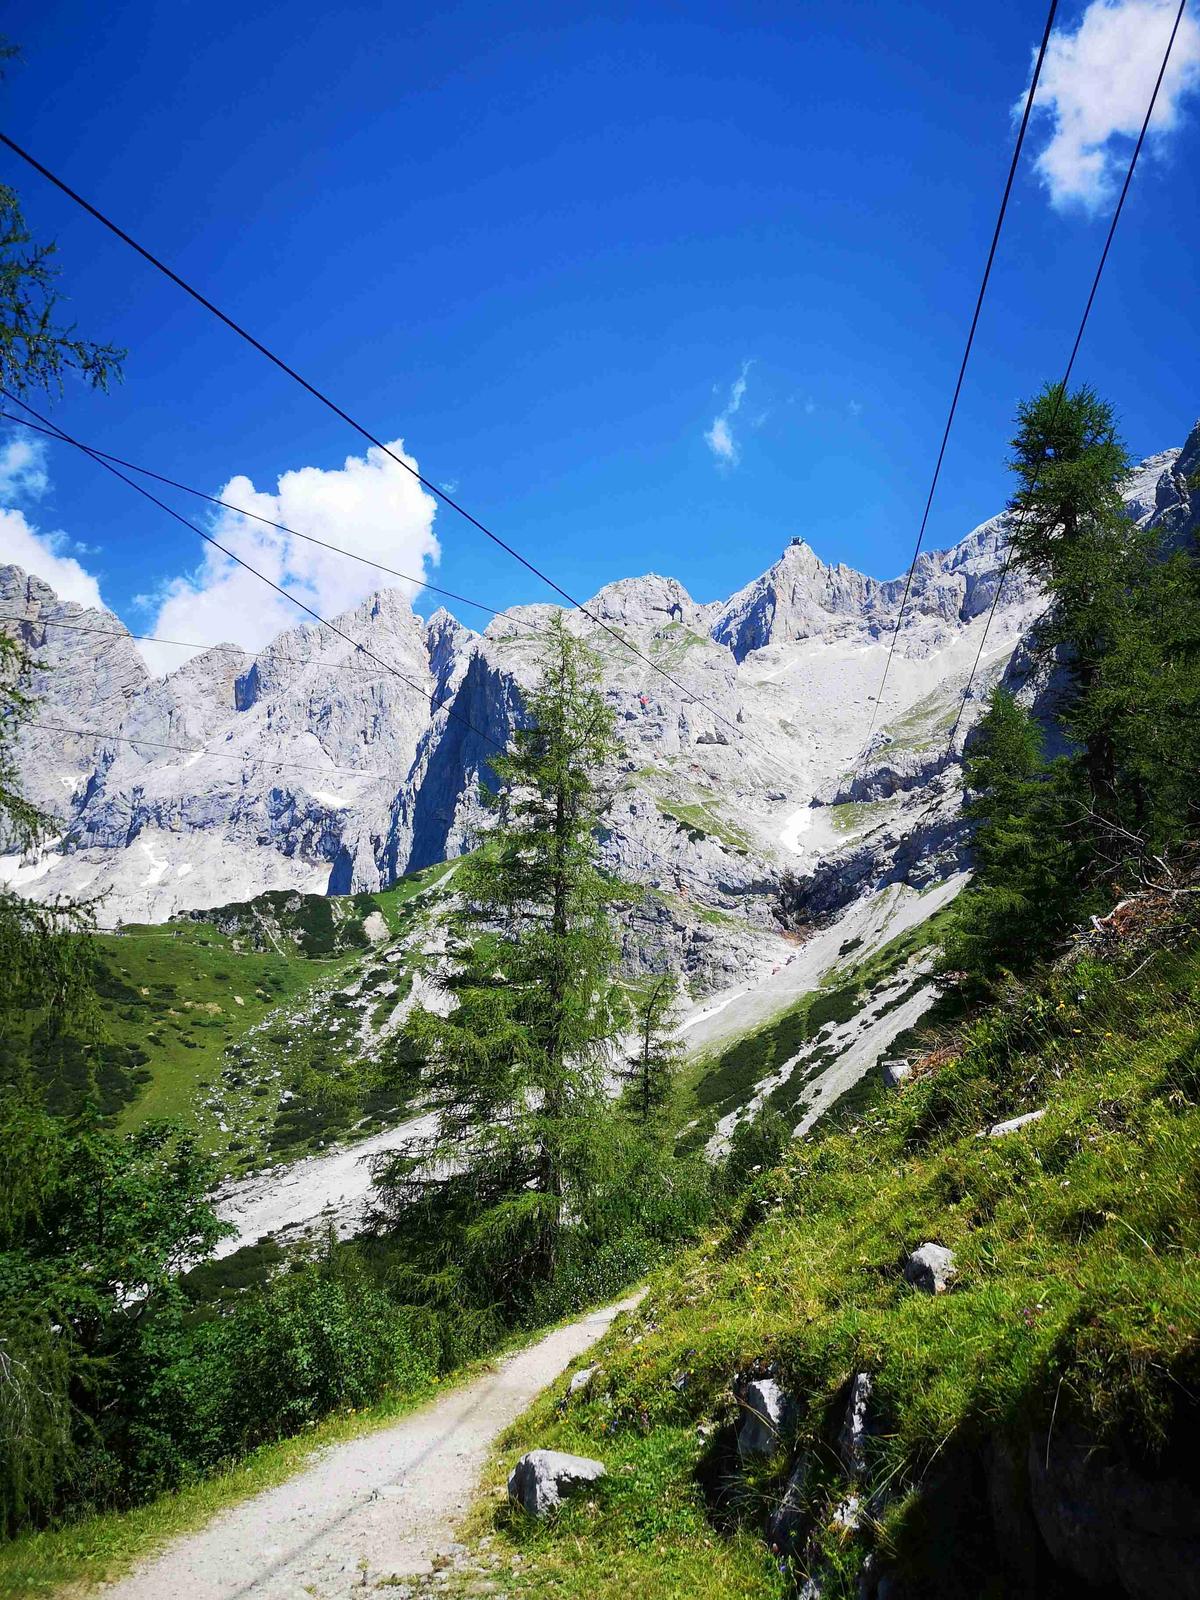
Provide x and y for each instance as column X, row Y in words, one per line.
column 23, row 469
column 720, row 437
column 856, row 408
column 1095, row 86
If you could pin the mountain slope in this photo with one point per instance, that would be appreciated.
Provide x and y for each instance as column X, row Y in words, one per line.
column 1026, row 1431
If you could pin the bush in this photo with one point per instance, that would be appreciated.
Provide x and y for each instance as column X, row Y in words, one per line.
column 323, row 1336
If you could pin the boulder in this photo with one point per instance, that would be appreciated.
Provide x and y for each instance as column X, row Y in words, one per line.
column 789, row 1520
column 931, row 1268
column 1104, row 1521
column 581, row 1379
column 541, row 1480
column 766, row 1414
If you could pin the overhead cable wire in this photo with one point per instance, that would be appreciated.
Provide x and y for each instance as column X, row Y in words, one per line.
column 520, row 626
column 1066, row 377
column 102, row 736
column 266, row 652
column 966, row 356
column 270, row 582
column 190, row 644
column 280, row 527
column 1061, row 390
column 360, row 428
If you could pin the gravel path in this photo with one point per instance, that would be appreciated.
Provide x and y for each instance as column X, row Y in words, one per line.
column 362, row 1511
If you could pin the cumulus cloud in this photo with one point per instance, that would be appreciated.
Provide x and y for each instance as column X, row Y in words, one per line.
column 370, row 505
column 1096, row 83
column 46, row 555
column 23, row 468
column 720, row 437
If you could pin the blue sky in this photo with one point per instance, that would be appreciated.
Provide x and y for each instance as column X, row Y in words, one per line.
column 542, row 244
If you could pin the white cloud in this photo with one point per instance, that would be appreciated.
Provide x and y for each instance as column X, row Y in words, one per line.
column 720, row 437
column 370, row 505
column 856, row 408
column 1095, row 86
column 23, row 468
column 44, row 554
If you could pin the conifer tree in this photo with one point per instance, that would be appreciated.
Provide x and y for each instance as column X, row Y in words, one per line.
column 516, row 1071
column 1122, row 625
column 1029, row 853
column 650, row 1071
column 1122, row 637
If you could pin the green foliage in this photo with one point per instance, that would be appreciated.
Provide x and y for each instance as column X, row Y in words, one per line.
column 1077, row 1302
column 534, row 1193
column 94, row 1229
column 1122, row 638
column 322, row 1336
column 1029, row 860
column 36, row 352
column 755, row 1146
column 45, row 957
column 650, row 1074
column 515, row 1070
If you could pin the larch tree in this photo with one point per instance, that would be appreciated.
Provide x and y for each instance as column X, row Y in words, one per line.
column 651, row 1068
column 516, row 1070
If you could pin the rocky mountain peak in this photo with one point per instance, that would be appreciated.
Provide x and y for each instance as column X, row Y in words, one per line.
column 649, row 601
column 338, row 763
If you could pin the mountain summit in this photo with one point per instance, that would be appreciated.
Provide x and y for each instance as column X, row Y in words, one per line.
column 310, row 765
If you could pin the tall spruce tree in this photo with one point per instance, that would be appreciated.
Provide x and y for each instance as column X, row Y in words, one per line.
column 1030, row 855
column 515, row 1073
column 1122, row 637
column 1122, row 624
column 1071, row 531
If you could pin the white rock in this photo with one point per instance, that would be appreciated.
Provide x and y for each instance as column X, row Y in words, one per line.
column 766, row 1411
column 931, row 1268
column 998, row 1129
column 852, row 1437
column 895, row 1072
column 544, row 1478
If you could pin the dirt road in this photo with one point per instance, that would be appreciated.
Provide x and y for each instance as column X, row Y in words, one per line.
column 362, row 1511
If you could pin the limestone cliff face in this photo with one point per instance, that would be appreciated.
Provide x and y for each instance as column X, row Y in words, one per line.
column 314, row 764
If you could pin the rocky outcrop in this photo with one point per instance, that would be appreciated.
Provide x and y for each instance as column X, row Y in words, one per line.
column 1101, row 1518
column 339, row 761
column 766, row 1415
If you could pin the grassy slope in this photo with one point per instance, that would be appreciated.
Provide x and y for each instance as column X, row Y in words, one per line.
column 722, row 1080
column 214, row 1023
column 1078, row 1241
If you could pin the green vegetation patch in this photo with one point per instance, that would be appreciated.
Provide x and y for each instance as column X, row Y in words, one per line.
column 853, row 816
column 719, row 1084
column 701, row 821
column 1077, row 1239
